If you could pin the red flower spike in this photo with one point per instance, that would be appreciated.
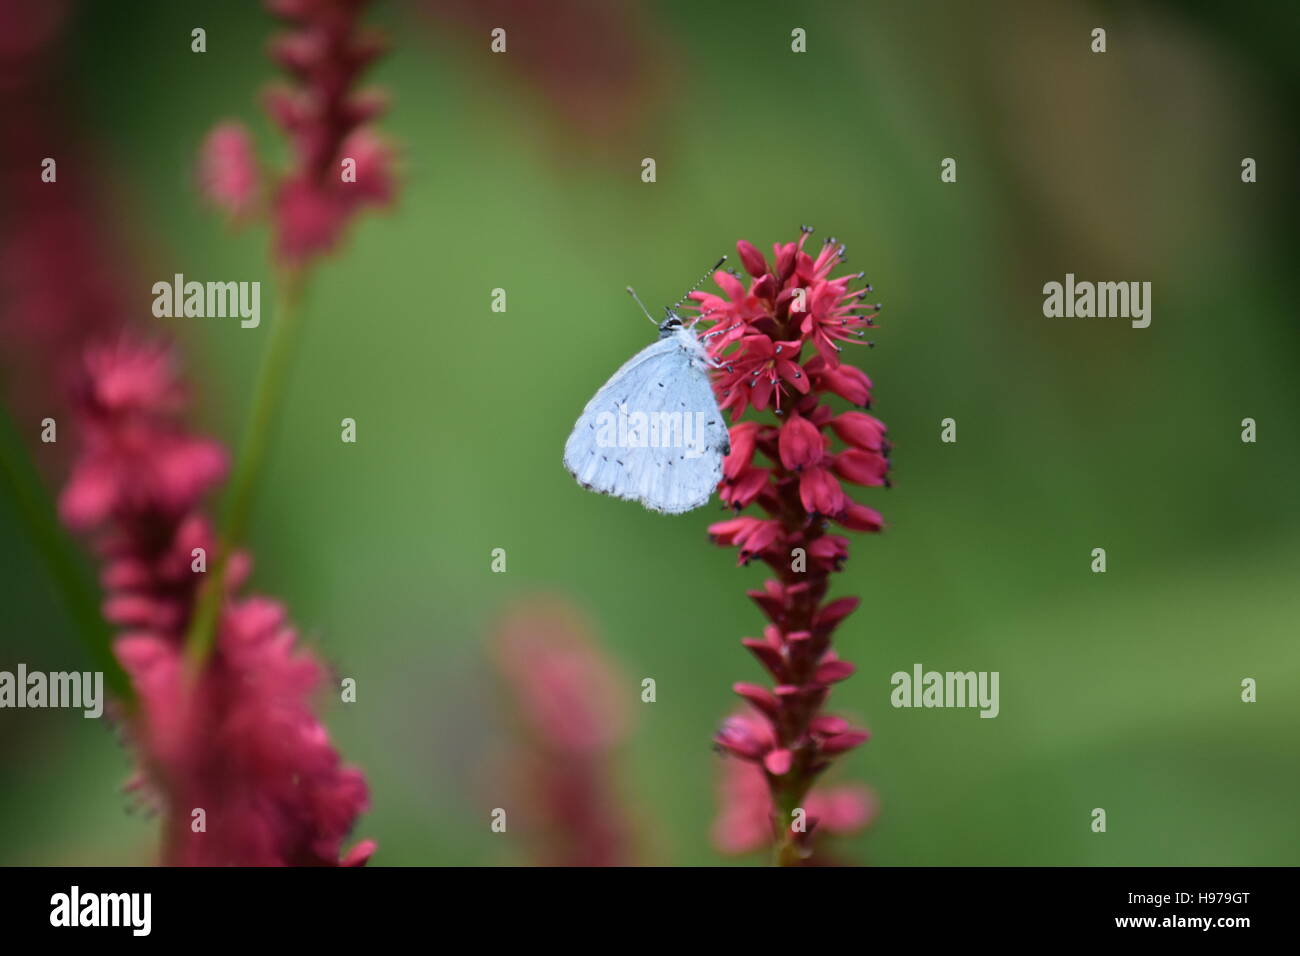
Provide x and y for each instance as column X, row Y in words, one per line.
column 794, row 304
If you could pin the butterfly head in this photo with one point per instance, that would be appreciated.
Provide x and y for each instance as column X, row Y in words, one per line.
column 670, row 325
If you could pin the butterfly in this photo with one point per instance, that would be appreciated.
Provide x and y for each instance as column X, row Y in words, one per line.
column 654, row 433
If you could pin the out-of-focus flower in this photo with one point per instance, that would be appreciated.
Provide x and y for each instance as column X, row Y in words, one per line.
column 137, row 460
column 339, row 166
column 238, row 741
column 590, row 65
column 571, row 718
column 62, row 275
column 310, row 214
column 228, row 174
column 758, row 336
column 242, row 745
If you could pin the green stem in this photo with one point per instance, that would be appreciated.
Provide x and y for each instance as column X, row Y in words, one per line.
column 790, row 798
column 70, row 574
column 248, row 465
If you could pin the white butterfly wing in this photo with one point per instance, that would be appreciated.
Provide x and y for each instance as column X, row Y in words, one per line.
column 668, row 376
column 691, row 477
column 601, row 468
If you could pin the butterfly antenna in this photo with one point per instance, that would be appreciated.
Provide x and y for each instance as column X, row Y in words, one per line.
column 632, row 292
column 698, row 283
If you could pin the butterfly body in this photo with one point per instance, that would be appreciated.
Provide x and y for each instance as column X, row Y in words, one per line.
column 653, row 433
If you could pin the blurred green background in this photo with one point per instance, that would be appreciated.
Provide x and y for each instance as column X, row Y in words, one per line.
column 1119, row 690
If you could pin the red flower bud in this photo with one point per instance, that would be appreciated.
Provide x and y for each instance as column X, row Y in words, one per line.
column 784, row 260
column 829, row 551
column 800, row 443
column 744, row 437
column 846, row 381
column 820, row 493
column 752, row 259
column 832, row 671
column 860, row 430
column 858, row 517
column 845, row 741
column 861, row 467
column 830, row 616
column 778, row 762
column 760, row 697
column 828, row 725
column 741, row 492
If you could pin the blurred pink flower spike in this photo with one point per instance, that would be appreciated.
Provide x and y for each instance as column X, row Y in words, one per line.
column 573, row 713
column 237, row 746
column 339, row 166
